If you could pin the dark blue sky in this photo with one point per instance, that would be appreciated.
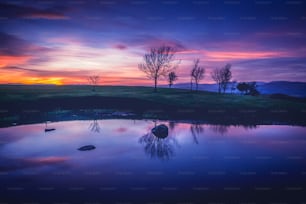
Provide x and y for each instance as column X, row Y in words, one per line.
column 63, row 41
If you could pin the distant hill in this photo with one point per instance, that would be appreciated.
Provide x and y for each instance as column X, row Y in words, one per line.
column 297, row 89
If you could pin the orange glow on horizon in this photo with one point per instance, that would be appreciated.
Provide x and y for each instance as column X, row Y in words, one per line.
column 15, row 78
column 115, row 67
column 38, row 80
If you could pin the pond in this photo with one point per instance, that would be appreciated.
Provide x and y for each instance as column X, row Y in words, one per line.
column 195, row 163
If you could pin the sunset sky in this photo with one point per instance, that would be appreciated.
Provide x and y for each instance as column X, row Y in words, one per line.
column 63, row 42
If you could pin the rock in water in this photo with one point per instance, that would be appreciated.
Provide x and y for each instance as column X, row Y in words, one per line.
column 87, row 147
column 160, row 131
column 49, row 129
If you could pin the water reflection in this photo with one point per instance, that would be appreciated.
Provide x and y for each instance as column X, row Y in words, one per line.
column 120, row 165
column 250, row 127
column 162, row 148
column 172, row 125
column 95, row 126
column 225, row 129
column 220, row 129
column 196, row 131
column 48, row 129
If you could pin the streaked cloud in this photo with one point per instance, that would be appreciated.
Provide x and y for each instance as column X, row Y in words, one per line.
column 63, row 42
column 10, row 10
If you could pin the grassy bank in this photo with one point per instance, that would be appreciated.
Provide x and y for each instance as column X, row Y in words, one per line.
column 166, row 102
column 165, row 97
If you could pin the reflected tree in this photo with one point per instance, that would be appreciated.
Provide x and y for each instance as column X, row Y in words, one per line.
column 196, row 130
column 221, row 129
column 249, row 127
column 159, row 148
column 95, row 126
column 172, row 125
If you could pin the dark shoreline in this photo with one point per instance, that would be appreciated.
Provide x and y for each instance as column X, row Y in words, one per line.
column 98, row 107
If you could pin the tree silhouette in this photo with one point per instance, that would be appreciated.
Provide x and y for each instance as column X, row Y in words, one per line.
column 197, row 73
column 216, row 75
column 243, row 87
column 93, row 80
column 158, row 62
column 248, row 88
column 171, row 78
column 222, row 77
column 226, row 76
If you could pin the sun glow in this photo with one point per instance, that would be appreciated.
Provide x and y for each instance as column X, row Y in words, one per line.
column 48, row 80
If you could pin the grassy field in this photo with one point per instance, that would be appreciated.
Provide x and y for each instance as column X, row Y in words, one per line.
column 31, row 104
column 177, row 98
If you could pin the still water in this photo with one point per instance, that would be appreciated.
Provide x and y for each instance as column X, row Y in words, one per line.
column 195, row 163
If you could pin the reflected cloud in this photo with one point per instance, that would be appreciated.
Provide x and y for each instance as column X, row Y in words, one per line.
column 121, row 130
column 12, row 164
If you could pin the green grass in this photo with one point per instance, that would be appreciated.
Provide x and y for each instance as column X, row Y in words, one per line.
column 173, row 97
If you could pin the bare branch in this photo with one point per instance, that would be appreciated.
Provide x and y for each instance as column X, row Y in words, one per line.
column 171, row 78
column 222, row 77
column 197, row 73
column 158, row 62
column 94, row 81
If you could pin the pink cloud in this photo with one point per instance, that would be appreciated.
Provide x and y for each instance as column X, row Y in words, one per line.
column 120, row 46
column 45, row 15
column 6, row 60
column 235, row 55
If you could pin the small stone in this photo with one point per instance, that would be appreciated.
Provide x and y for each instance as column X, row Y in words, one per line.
column 160, row 131
column 87, row 148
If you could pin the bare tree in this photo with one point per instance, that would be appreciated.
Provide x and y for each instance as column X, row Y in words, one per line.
column 222, row 77
column 93, row 81
column 171, row 78
column 197, row 73
column 216, row 75
column 226, row 76
column 158, row 62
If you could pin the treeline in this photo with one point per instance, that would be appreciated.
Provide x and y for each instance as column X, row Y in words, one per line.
column 160, row 62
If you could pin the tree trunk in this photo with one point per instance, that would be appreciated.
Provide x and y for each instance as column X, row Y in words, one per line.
column 155, row 84
column 191, row 85
column 197, row 86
